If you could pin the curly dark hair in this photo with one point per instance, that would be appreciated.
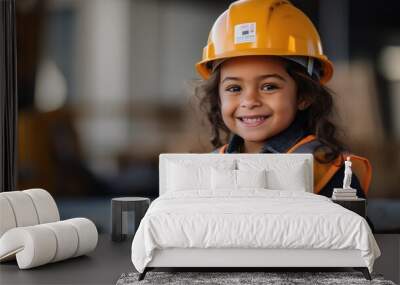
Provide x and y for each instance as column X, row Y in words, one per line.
column 309, row 88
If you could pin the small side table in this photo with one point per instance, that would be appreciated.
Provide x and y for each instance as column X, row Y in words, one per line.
column 126, row 214
column 358, row 205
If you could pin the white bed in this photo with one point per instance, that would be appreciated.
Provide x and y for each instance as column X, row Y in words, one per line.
column 247, row 210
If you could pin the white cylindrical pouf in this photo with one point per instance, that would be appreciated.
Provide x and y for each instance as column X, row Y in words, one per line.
column 67, row 239
column 23, row 208
column 45, row 205
column 87, row 234
column 7, row 218
column 34, row 245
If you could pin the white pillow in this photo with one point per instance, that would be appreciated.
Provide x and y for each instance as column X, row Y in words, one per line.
column 293, row 179
column 188, row 177
column 237, row 179
column 251, row 178
column 281, row 174
column 193, row 175
column 223, row 179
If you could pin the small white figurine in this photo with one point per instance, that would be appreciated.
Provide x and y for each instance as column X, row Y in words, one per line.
column 347, row 174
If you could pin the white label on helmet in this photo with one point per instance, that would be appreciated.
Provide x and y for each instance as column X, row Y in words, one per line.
column 245, row 33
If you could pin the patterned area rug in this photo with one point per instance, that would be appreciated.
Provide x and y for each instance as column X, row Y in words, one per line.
column 230, row 278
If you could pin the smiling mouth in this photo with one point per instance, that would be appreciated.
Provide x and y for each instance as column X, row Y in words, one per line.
column 253, row 121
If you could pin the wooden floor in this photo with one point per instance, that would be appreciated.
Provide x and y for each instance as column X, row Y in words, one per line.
column 110, row 260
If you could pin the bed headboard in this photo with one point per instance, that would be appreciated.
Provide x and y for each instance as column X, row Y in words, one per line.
column 272, row 161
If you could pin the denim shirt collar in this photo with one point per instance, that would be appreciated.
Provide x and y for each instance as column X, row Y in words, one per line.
column 279, row 143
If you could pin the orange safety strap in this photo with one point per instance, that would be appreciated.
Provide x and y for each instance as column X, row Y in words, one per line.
column 305, row 140
column 223, row 148
column 323, row 172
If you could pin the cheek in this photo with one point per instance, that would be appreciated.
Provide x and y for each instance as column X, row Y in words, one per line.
column 285, row 109
column 228, row 106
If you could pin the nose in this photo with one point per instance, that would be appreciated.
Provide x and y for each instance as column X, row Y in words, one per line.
column 250, row 99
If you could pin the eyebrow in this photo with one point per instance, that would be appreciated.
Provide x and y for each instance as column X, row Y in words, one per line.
column 264, row 76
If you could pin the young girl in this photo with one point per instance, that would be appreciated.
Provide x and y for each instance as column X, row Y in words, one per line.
column 264, row 74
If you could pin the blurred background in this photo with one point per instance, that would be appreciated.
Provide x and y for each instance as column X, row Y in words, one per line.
column 105, row 86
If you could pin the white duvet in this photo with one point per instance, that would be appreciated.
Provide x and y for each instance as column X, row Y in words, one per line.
column 256, row 218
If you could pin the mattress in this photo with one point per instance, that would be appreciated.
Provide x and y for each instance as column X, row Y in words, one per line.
column 250, row 218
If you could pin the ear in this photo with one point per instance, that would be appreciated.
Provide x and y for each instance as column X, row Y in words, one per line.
column 303, row 104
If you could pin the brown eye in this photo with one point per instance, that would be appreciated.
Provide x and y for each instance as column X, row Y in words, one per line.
column 233, row 89
column 268, row 87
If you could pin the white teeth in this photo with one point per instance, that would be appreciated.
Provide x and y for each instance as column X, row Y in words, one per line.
column 252, row 120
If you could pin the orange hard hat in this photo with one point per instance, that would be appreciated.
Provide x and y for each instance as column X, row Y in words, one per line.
column 264, row 27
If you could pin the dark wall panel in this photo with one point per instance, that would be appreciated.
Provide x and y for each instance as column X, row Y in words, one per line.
column 8, row 96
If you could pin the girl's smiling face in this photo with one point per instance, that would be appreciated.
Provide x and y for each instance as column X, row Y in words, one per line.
column 258, row 98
